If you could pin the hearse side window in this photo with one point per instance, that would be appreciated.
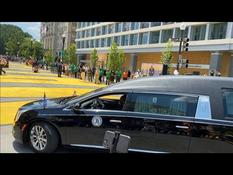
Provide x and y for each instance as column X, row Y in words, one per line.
column 164, row 104
column 106, row 102
column 228, row 103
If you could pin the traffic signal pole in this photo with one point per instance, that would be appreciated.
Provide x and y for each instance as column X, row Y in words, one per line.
column 180, row 47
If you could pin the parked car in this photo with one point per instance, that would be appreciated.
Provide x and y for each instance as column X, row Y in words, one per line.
column 179, row 114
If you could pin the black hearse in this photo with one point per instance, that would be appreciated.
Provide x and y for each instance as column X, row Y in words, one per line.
column 160, row 114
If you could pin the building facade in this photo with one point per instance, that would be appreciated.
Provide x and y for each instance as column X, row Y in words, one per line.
column 210, row 45
column 52, row 34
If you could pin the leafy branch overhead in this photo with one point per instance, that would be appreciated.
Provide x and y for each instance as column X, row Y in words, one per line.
column 167, row 54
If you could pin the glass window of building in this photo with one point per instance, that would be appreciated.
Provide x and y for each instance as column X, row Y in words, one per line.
column 98, row 31
column 154, row 37
column 143, row 38
column 87, row 44
column 79, row 34
column 198, row 32
column 118, row 27
column 218, row 30
column 178, row 32
column 117, row 40
column 82, row 44
column 104, row 30
column 91, row 43
column 79, row 25
column 103, row 42
column 93, row 32
column 83, row 33
column 125, row 40
column 133, row 39
column 78, row 45
column 135, row 25
column 126, row 26
column 166, row 35
column 97, row 43
column 88, row 33
column 110, row 28
column 109, row 41
column 153, row 24
column 144, row 25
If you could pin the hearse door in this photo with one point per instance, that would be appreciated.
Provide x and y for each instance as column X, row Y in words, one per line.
column 90, row 123
column 170, row 115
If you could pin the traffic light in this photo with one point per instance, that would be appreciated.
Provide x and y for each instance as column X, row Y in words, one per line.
column 185, row 44
column 187, row 63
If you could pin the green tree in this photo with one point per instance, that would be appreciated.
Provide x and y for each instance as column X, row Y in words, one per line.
column 65, row 58
column 25, row 48
column 10, row 36
column 167, row 54
column 48, row 55
column 94, row 58
column 28, row 48
column 115, row 58
column 72, row 53
column 38, row 51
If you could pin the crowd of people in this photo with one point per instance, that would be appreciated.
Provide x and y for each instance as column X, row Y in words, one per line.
column 98, row 74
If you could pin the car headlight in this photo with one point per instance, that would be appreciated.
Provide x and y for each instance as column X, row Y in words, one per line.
column 19, row 113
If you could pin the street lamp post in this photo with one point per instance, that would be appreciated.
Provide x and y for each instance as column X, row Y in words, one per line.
column 182, row 29
column 31, row 46
column 18, row 43
column 63, row 44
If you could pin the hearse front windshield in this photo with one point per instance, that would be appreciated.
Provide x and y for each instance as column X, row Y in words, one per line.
column 74, row 100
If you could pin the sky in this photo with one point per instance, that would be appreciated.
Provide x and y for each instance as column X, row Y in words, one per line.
column 33, row 28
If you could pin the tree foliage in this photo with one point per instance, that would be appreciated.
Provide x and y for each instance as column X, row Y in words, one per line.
column 48, row 56
column 167, row 54
column 69, row 56
column 115, row 58
column 72, row 53
column 10, row 36
column 94, row 58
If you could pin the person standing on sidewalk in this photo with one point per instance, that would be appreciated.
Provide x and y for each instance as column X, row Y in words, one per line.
column 101, row 72
column 108, row 74
column 59, row 68
column 97, row 76
column 118, row 76
column 151, row 71
column 125, row 75
column 89, row 74
column 2, row 64
column 129, row 74
column 176, row 72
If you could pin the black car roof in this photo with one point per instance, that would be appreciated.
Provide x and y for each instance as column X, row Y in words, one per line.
column 181, row 84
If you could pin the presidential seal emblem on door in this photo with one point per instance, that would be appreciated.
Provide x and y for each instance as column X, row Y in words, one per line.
column 97, row 121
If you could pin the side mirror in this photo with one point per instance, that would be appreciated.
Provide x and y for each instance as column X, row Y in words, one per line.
column 76, row 107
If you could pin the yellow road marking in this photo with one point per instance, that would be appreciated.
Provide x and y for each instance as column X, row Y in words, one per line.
column 8, row 111
column 39, row 92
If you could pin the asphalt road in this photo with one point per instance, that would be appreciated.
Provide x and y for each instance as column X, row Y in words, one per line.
column 9, row 145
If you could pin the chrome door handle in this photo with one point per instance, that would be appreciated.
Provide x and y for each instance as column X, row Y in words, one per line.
column 115, row 121
column 182, row 127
